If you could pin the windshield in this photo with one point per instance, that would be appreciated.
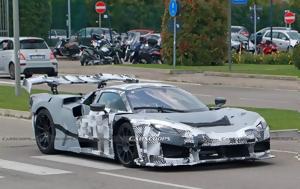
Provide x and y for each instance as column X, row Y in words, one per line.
column 33, row 44
column 293, row 35
column 165, row 97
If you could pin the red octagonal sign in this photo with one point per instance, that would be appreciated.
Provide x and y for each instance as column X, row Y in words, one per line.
column 289, row 17
column 100, row 7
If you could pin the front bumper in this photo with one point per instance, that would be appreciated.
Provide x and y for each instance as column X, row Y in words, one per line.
column 171, row 155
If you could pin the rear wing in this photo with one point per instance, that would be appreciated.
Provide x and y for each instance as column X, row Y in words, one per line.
column 54, row 82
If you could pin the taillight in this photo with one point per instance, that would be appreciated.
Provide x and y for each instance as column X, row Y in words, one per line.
column 22, row 56
column 52, row 57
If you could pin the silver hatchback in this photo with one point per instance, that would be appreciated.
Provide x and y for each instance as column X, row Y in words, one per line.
column 35, row 57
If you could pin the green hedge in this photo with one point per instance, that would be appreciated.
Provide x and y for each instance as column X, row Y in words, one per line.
column 274, row 59
column 296, row 57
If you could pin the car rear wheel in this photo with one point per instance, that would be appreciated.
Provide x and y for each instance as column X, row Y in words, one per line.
column 12, row 71
column 125, row 148
column 44, row 132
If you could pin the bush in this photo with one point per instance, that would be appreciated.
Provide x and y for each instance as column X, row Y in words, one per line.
column 201, row 39
column 279, row 59
column 296, row 57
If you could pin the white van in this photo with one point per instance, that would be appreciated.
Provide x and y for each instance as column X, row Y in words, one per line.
column 35, row 57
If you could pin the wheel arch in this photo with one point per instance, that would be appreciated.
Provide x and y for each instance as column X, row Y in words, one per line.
column 118, row 123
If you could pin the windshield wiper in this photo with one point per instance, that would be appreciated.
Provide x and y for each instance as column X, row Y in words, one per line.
column 159, row 109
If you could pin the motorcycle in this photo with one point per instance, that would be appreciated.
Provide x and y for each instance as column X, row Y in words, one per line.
column 67, row 48
column 101, row 52
column 148, row 53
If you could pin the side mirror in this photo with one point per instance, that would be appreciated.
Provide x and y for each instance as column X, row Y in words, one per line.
column 97, row 107
column 220, row 101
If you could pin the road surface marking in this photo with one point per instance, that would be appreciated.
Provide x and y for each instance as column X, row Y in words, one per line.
column 203, row 95
column 1, row 177
column 289, row 152
column 284, row 151
column 149, row 181
column 29, row 168
column 263, row 100
column 80, row 162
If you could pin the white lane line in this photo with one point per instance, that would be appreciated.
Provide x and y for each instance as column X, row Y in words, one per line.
column 284, row 151
column 263, row 100
column 149, row 181
column 297, row 154
column 1, row 177
column 29, row 168
column 203, row 95
column 80, row 162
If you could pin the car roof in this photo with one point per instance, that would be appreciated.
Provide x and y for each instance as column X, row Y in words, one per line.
column 132, row 86
column 276, row 30
column 21, row 38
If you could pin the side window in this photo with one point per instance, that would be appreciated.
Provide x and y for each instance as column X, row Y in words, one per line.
column 275, row 35
column 1, row 46
column 81, row 33
column 112, row 101
column 6, row 45
column 10, row 45
column 282, row 36
column 268, row 34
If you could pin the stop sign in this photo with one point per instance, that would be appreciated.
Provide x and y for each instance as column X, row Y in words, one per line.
column 100, row 7
column 289, row 17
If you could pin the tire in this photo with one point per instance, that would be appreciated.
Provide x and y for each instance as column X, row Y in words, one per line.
column 28, row 75
column 44, row 132
column 125, row 150
column 12, row 71
column 82, row 60
column 53, row 74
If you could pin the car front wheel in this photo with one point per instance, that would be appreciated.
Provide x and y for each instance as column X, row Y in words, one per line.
column 125, row 147
column 12, row 71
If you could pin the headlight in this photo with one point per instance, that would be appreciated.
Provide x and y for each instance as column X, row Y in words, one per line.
column 165, row 129
column 262, row 126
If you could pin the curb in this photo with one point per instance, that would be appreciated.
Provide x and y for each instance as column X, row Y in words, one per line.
column 289, row 134
column 236, row 75
column 256, row 76
column 15, row 114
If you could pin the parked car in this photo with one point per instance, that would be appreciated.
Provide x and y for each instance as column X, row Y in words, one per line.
column 285, row 40
column 84, row 36
column 143, row 32
column 144, row 124
column 241, row 30
column 262, row 32
column 35, row 57
column 247, row 45
column 57, row 34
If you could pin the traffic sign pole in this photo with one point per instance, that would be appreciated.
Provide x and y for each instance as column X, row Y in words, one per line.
column 174, row 44
column 229, row 35
column 100, row 20
column 255, row 18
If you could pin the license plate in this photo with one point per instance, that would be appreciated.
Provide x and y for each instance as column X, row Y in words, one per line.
column 37, row 57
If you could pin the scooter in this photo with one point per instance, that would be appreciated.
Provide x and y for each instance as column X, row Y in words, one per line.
column 67, row 49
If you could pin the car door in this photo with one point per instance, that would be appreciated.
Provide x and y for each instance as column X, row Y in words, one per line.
column 6, row 54
column 97, row 125
column 2, row 54
column 283, row 41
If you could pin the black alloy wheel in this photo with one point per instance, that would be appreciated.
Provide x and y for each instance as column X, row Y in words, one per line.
column 125, row 146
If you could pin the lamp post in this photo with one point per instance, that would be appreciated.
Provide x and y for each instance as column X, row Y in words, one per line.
column 17, row 46
column 271, row 19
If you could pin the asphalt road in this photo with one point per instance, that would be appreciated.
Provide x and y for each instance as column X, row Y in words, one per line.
column 23, row 166
column 237, row 91
column 236, row 96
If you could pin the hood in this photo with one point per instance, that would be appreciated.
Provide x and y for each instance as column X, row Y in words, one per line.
column 222, row 120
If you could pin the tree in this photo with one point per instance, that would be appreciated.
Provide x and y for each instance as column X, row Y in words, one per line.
column 35, row 17
column 202, row 38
